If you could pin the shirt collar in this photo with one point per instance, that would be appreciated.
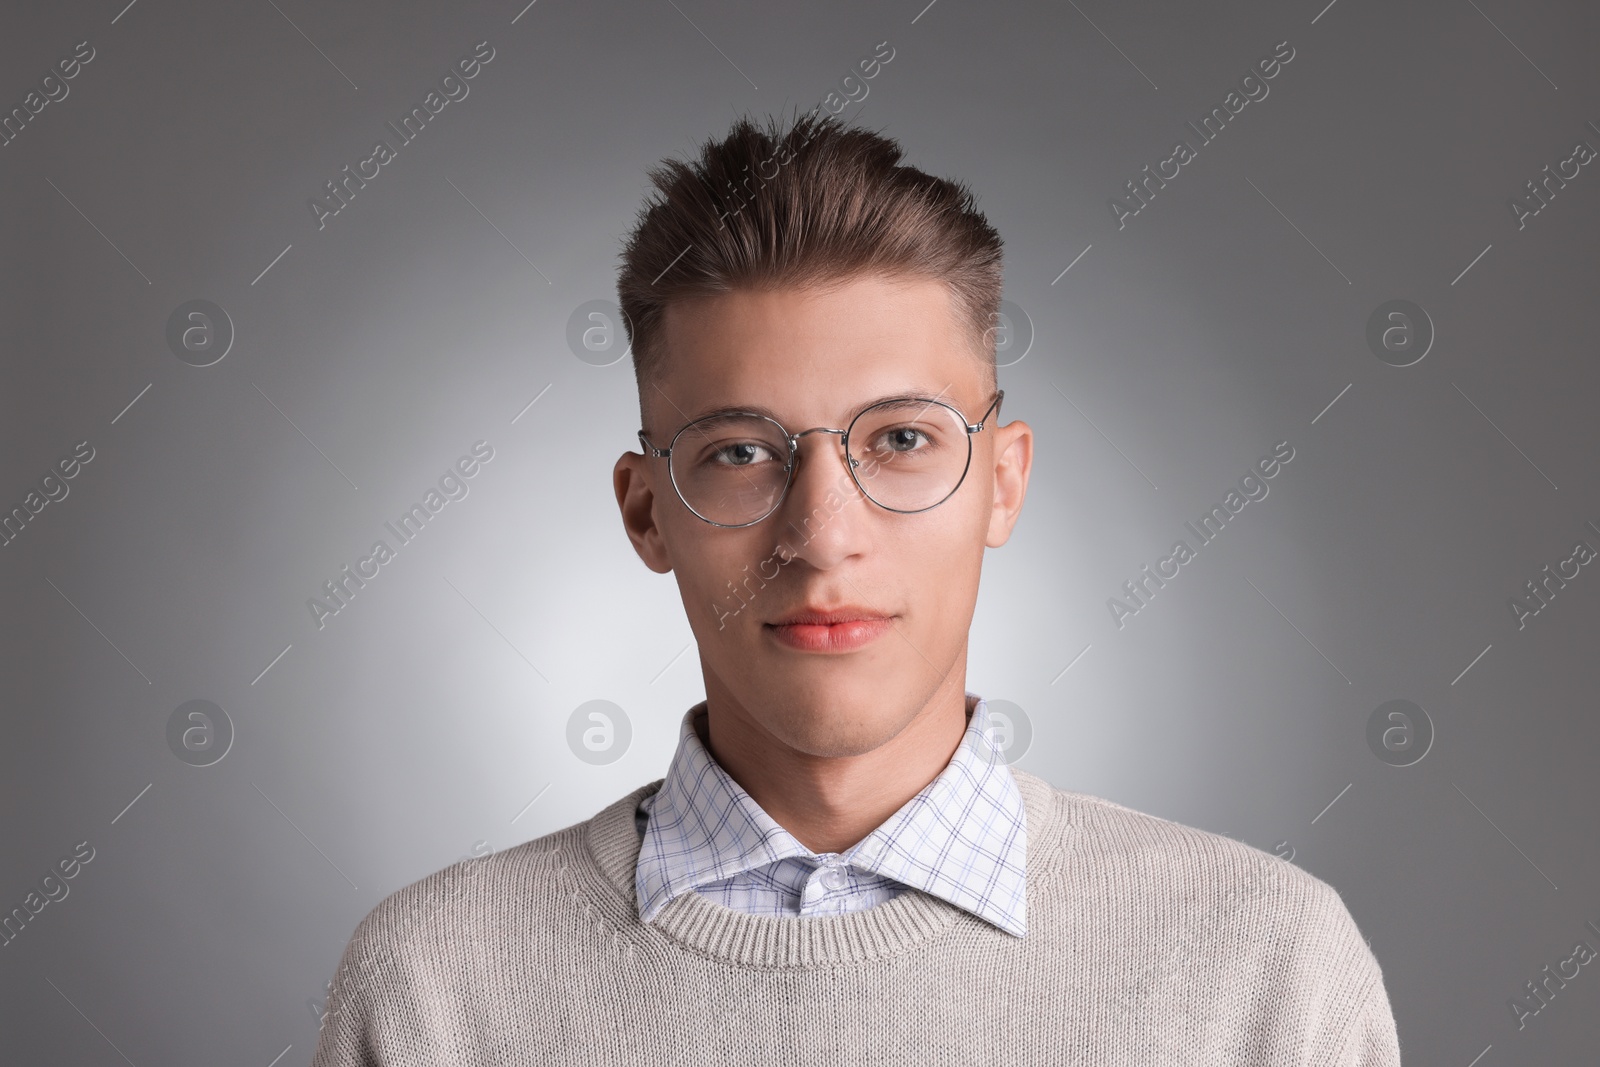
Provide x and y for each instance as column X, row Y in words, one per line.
column 962, row 838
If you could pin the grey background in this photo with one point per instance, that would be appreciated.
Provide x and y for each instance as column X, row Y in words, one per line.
column 431, row 712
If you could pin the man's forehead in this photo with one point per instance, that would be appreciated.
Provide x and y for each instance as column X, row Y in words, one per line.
column 679, row 398
column 797, row 354
column 786, row 409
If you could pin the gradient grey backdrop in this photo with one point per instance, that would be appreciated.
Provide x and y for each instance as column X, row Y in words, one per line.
column 431, row 713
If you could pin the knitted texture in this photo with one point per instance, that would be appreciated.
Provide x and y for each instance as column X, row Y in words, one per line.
column 1148, row 943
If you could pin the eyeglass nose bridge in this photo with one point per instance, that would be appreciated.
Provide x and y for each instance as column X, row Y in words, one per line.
column 794, row 448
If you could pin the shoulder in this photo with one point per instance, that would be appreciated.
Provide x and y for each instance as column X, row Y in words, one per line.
column 1197, row 918
column 1118, row 858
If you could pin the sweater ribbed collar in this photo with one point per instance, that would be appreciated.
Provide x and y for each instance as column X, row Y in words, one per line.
column 607, row 867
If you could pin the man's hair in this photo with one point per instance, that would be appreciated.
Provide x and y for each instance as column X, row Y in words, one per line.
column 808, row 207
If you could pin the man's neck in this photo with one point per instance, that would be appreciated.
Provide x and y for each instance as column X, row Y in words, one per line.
column 830, row 804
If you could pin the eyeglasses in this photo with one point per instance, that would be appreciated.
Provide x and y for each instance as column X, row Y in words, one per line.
column 907, row 455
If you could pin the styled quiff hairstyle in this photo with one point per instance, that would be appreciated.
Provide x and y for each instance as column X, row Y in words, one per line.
column 806, row 207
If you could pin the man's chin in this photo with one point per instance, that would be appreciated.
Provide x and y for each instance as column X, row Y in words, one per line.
column 827, row 708
column 833, row 735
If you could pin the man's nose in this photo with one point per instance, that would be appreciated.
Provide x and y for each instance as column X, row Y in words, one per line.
column 823, row 506
column 821, row 464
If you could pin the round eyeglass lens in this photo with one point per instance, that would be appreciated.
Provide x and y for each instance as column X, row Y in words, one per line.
column 730, row 469
column 909, row 454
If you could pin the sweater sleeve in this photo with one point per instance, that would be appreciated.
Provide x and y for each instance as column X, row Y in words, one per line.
column 1371, row 1039
column 345, row 1038
column 1355, row 1022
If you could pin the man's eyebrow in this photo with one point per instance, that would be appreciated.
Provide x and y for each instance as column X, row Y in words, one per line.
column 761, row 409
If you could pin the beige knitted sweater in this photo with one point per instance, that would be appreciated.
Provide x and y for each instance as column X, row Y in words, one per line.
column 1148, row 943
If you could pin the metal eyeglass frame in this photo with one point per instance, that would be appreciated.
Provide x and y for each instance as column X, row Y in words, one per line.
column 794, row 451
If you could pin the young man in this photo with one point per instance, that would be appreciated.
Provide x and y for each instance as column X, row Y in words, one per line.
column 839, row 866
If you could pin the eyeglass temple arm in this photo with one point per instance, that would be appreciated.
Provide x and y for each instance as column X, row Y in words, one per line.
column 976, row 426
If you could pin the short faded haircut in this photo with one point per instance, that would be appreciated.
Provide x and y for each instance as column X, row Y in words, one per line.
column 807, row 207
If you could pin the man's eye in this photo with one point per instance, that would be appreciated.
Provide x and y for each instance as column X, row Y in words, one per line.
column 738, row 455
column 902, row 439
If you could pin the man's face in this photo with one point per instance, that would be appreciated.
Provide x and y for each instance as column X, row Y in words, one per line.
column 816, row 358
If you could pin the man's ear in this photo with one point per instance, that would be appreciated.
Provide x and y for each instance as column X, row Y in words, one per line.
column 636, row 498
column 1013, row 451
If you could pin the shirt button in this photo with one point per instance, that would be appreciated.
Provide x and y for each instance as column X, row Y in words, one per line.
column 833, row 877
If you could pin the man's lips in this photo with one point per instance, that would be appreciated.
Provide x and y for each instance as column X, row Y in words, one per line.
column 843, row 636
column 828, row 616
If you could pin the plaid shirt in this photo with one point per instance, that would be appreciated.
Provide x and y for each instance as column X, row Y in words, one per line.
column 962, row 839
